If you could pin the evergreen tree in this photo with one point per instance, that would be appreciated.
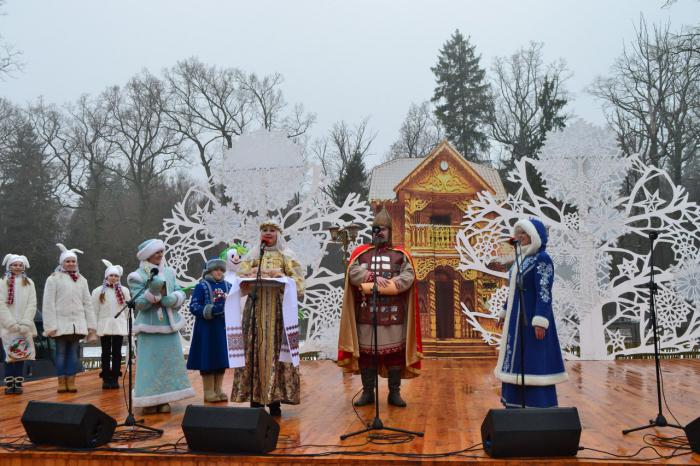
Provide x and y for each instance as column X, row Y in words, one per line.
column 463, row 103
column 352, row 180
column 30, row 206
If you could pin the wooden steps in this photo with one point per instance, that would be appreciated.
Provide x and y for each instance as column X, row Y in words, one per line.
column 458, row 349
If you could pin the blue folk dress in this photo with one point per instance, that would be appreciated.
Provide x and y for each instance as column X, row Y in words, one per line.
column 208, row 351
column 544, row 365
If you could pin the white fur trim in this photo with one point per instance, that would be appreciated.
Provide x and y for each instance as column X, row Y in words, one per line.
column 531, row 379
column 154, row 400
column 539, row 321
column 180, row 299
column 150, row 248
column 528, row 227
column 152, row 298
column 134, row 277
column 144, row 328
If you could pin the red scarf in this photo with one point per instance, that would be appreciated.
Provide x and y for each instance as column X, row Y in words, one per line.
column 74, row 275
column 117, row 291
column 10, row 288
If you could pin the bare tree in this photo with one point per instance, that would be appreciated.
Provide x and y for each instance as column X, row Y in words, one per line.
column 529, row 98
column 419, row 134
column 9, row 56
column 146, row 145
column 652, row 99
column 342, row 154
column 207, row 104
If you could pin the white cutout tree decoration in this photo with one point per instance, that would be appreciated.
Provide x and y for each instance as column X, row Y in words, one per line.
column 265, row 176
column 598, row 242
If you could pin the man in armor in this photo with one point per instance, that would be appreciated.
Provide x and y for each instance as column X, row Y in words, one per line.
column 398, row 318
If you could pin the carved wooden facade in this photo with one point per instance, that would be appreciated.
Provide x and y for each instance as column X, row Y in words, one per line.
column 427, row 206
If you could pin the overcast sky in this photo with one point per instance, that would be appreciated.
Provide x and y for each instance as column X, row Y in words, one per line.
column 342, row 59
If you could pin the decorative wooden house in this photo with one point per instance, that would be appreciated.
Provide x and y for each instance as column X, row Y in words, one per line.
column 426, row 198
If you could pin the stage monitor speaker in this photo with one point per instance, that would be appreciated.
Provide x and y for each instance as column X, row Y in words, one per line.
column 67, row 424
column 531, row 432
column 229, row 430
column 692, row 431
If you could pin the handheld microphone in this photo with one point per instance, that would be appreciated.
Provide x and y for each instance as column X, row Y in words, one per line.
column 513, row 241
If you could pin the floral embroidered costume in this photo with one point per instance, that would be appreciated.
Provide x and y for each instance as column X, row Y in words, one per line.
column 277, row 326
column 544, row 365
column 208, row 352
column 17, row 330
column 398, row 322
column 161, row 376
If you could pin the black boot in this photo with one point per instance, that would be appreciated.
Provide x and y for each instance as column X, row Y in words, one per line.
column 255, row 404
column 367, row 397
column 9, row 385
column 114, row 381
column 106, row 382
column 275, row 409
column 18, row 390
column 394, row 397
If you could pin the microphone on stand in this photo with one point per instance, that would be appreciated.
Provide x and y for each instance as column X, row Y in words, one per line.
column 375, row 234
column 513, row 241
column 154, row 272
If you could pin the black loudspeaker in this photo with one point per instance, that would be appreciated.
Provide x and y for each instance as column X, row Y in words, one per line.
column 229, row 430
column 692, row 431
column 531, row 432
column 67, row 424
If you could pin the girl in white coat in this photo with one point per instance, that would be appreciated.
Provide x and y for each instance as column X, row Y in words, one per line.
column 107, row 300
column 17, row 310
column 68, row 316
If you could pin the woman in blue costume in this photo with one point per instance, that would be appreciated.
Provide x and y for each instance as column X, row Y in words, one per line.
column 161, row 376
column 208, row 350
column 544, row 365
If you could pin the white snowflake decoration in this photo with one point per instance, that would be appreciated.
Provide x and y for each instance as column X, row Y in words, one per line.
column 263, row 175
column 591, row 227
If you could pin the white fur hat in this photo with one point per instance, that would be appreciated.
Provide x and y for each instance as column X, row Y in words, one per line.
column 67, row 253
column 12, row 258
column 112, row 269
column 148, row 248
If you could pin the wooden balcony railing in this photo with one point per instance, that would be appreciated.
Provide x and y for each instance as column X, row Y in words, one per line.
column 426, row 236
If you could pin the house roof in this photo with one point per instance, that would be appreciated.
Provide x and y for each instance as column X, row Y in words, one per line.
column 387, row 176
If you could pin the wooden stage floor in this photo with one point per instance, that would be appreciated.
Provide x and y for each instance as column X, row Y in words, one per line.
column 448, row 402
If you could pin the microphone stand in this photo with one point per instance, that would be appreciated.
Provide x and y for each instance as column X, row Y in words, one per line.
column 377, row 423
column 521, row 318
column 253, row 309
column 660, row 420
column 130, row 420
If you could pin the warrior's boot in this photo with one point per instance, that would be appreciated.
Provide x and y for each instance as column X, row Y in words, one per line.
column 368, row 376
column 394, row 397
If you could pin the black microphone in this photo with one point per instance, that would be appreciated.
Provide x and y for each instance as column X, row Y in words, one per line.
column 653, row 234
column 513, row 241
column 376, row 229
column 154, row 272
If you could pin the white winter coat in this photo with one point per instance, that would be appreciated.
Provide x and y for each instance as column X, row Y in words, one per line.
column 22, row 311
column 105, row 312
column 67, row 306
